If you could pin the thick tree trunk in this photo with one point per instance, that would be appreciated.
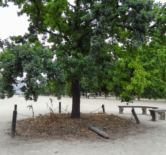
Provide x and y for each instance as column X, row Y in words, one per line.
column 75, row 99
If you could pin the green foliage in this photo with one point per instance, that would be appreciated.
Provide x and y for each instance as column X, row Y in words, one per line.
column 154, row 56
column 154, row 59
column 32, row 60
column 97, row 43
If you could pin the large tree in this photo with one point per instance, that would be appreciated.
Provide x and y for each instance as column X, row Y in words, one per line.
column 83, row 33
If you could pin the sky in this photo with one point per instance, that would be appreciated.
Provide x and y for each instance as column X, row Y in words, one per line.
column 12, row 25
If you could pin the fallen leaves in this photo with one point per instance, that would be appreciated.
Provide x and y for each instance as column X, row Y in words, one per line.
column 62, row 126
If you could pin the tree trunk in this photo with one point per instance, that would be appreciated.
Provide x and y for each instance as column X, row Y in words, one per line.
column 75, row 99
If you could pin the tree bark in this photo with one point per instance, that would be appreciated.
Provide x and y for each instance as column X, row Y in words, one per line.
column 75, row 99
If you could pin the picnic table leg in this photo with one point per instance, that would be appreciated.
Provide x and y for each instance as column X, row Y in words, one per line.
column 153, row 114
column 162, row 115
column 120, row 110
column 144, row 111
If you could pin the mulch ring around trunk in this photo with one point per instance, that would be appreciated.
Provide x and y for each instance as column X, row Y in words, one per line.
column 63, row 126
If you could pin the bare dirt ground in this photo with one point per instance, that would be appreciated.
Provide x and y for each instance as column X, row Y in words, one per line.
column 149, row 140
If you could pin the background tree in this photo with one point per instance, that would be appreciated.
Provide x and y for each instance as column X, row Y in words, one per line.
column 29, row 65
column 154, row 55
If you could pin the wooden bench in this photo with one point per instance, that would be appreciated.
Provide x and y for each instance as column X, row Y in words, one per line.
column 160, row 112
column 144, row 108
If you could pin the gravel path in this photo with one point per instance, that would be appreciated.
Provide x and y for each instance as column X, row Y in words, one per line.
column 152, row 142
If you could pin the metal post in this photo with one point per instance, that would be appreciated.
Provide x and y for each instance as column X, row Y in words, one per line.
column 103, row 108
column 135, row 116
column 14, row 119
column 60, row 107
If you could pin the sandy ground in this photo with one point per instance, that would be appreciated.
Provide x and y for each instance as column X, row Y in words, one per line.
column 151, row 142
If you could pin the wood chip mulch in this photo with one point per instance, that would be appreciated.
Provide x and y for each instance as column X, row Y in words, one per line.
column 62, row 126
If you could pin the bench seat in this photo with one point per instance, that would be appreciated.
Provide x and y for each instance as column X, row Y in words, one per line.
column 144, row 108
column 160, row 112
